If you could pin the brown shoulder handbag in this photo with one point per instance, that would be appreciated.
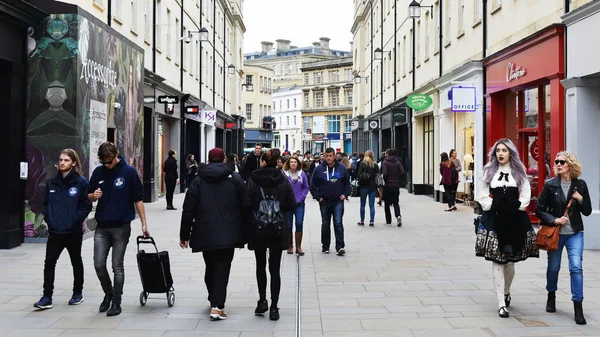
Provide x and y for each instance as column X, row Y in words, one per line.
column 547, row 236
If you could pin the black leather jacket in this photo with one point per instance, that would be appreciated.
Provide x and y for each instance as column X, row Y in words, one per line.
column 552, row 203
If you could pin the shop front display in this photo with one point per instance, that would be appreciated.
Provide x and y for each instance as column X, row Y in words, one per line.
column 526, row 102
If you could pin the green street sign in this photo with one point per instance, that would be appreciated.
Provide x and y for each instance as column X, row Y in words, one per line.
column 419, row 101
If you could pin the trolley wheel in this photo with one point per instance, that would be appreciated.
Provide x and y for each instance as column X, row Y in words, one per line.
column 170, row 298
column 143, row 298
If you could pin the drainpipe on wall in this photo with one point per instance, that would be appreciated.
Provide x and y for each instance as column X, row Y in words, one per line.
column 214, row 84
column 395, row 51
column 371, row 94
column 567, row 10
column 109, row 13
column 483, row 152
column 381, row 65
column 182, row 122
column 441, row 37
column 154, row 36
column 225, row 69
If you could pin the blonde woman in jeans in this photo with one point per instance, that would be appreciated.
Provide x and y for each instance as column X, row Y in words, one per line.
column 368, row 186
column 551, row 207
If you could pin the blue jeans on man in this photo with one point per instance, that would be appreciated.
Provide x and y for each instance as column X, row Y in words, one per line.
column 333, row 209
column 298, row 213
column 574, row 245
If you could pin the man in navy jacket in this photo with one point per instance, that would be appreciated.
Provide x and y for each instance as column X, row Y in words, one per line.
column 67, row 207
column 330, row 185
column 117, row 188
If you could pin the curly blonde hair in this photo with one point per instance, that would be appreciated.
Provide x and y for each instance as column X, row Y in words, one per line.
column 574, row 164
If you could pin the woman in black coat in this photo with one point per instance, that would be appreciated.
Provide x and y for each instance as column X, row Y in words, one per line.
column 171, row 177
column 268, row 180
column 551, row 208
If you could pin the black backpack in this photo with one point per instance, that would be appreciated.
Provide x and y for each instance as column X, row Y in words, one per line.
column 269, row 218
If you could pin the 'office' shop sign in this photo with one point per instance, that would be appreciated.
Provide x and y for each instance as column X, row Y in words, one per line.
column 463, row 99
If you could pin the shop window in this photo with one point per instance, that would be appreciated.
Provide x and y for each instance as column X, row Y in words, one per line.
column 429, row 163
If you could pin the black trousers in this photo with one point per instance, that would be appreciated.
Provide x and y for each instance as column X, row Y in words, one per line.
column 170, row 184
column 216, row 275
column 274, row 271
column 391, row 197
column 56, row 244
column 450, row 193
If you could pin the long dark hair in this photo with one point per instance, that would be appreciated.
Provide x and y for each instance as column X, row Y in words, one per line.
column 444, row 157
column 270, row 157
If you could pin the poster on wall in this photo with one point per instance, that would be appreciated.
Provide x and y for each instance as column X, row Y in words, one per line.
column 97, row 130
column 78, row 68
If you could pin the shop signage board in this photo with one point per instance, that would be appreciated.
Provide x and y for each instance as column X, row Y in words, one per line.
column 419, row 101
column 514, row 72
column 168, row 99
column 373, row 125
column 464, row 99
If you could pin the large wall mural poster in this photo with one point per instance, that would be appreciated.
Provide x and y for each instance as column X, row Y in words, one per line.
column 84, row 80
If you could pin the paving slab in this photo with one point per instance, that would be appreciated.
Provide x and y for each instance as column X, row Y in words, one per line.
column 421, row 279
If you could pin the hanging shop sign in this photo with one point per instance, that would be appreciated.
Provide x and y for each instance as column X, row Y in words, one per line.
column 419, row 101
column 373, row 125
column 463, row 99
column 168, row 100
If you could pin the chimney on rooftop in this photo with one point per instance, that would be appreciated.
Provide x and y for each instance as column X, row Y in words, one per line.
column 266, row 46
column 324, row 43
column 283, row 45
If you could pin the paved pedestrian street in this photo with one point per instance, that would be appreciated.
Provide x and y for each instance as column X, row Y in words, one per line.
column 418, row 280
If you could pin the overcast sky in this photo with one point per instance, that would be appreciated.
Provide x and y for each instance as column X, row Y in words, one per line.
column 300, row 21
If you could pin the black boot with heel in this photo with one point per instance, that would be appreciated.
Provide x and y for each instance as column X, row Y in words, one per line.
column 551, row 302
column 579, row 318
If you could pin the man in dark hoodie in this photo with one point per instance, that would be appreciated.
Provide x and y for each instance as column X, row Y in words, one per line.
column 117, row 188
column 392, row 172
column 330, row 185
column 252, row 161
column 212, row 223
column 67, row 207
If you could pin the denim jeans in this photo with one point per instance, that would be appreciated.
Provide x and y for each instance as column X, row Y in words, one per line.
column 329, row 209
column 298, row 212
column 574, row 245
column 56, row 244
column 116, row 238
column 364, row 192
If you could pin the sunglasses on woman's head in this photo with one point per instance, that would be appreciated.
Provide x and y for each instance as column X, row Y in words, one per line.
column 557, row 161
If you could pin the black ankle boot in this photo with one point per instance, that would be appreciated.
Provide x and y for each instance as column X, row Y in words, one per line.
column 579, row 319
column 274, row 314
column 551, row 302
column 105, row 303
column 262, row 306
column 115, row 309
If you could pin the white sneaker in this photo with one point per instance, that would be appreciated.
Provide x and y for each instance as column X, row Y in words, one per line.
column 399, row 221
column 217, row 314
column 341, row 252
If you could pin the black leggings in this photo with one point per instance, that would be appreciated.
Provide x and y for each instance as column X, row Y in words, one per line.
column 274, row 271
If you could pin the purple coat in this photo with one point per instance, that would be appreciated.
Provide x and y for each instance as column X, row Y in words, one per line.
column 300, row 186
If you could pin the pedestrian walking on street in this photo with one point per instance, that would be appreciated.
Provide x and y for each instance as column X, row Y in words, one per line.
column 171, row 177
column 367, row 170
column 117, row 188
column 505, row 194
column 299, row 181
column 551, row 206
column 67, row 207
column 392, row 171
column 252, row 161
column 192, row 166
column 212, row 222
column 330, row 185
column 449, row 178
column 270, row 196
column 458, row 169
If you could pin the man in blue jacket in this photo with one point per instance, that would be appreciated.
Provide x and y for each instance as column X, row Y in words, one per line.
column 330, row 185
column 67, row 207
column 117, row 188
